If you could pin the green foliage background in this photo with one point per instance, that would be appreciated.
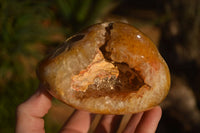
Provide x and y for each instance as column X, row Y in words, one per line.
column 26, row 30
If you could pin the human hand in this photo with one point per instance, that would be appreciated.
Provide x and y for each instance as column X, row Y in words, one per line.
column 30, row 118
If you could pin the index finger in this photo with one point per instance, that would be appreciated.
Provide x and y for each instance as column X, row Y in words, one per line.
column 79, row 122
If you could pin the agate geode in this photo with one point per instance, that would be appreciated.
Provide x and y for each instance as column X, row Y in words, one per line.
column 109, row 68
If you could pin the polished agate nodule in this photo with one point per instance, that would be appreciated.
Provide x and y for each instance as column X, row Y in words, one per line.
column 108, row 68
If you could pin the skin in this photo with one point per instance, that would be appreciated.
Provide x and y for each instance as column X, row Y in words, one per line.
column 30, row 118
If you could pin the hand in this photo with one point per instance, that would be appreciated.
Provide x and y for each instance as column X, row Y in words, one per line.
column 30, row 118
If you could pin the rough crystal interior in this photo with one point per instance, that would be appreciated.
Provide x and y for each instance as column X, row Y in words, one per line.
column 97, row 72
column 105, row 77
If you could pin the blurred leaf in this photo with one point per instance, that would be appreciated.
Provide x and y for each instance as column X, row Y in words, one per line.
column 82, row 12
column 66, row 7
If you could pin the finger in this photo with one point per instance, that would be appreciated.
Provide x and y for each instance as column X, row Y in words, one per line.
column 29, row 114
column 133, row 122
column 109, row 124
column 79, row 122
column 149, row 121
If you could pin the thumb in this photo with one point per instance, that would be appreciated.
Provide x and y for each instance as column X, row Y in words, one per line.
column 30, row 113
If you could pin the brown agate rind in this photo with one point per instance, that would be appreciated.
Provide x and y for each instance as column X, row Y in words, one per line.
column 109, row 68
